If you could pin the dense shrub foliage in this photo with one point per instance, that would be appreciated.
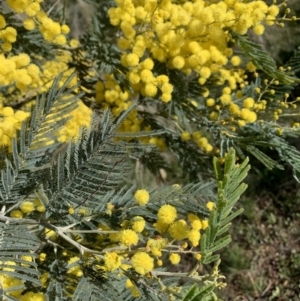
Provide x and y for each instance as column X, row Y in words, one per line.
column 177, row 86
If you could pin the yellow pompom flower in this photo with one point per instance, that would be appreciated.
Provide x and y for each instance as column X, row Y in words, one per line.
column 2, row 22
column 16, row 214
column 248, row 115
column 166, row 214
column 251, row 67
column 205, row 72
column 128, row 238
column 210, row 206
column 76, row 268
column 6, row 46
column 161, row 227
column 142, row 196
column 29, row 24
column 42, row 256
column 225, row 99
column 185, row 136
column 194, row 237
column 179, row 230
column 210, row 102
column 166, row 88
column 165, row 97
column 234, row 109
column 259, row 29
column 31, row 296
column 112, row 261
column 129, row 284
column 146, row 76
column 204, row 224
column 178, row 62
column 65, row 29
column 27, row 207
column 196, row 224
column 148, row 63
column 248, row 102
column 132, row 60
column 150, row 90
column 142, row 263
column 235, row 60
column 175, row 258
column 138, row 224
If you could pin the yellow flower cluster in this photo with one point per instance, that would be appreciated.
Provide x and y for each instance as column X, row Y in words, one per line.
column 81, row 116
column 138, row 224
column 134, row 291
column 10, row 122
column 142, row 263
column 174, row 258
column 191, row 36
column 180, row 229
column 19, row 71
column 142, row 196
column 27, row 207
column 109, row 94
column 128, row 237
column 112, row 261
column 52, row 31
column 75, row 269
column 8, row 282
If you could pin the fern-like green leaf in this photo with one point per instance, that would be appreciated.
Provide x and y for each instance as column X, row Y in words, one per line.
column 262, row 60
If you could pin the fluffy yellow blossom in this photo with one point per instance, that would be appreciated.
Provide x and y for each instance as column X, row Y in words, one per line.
column 259, row 29
column 138, row 224
column 65, row 29
column 29, row 24
column 76, row 268
column 42, row 256
column 2, row 22
column 31, row 296
column 142, row 263
column 178, row 62
column 112, row 261
column 132, row 60
column 179, row 230
column 210, row 205
column 148, row 64
column 165, row 97
column 166, row 214
column 194, row 237
column 161, row 227
column 204, row 224
column 185, row 136
column 129, row 284
column 16, row 214
column 210, row 102
column 196, row 224
column 248, row 115
column 235, row 60
column 128, row 238
column 174, row 258
column 150, row 90
column 27, row 207
column 142, row 196
column 248, row 102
